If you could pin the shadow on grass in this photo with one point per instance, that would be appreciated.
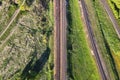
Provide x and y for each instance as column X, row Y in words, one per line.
column 69, row 44
column 114, row 69
column 34, row 67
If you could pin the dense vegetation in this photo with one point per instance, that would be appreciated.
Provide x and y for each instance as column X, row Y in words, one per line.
column 115, row 5
column 112, row 42
column 103, row 46
column 108, row 29
column 81, row 65
column 27, row 51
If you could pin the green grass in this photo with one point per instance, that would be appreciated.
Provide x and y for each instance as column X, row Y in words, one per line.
column 111, row 40
column 81, row 65
column 50, row 60
column 8, row 31
column 9, row 13
column 115, row 6
column 11, row 10
column 115, row 11
column 100, row 39
column 107, row 29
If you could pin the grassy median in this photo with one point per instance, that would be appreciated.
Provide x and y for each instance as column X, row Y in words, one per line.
column 81, row 65
column 100, row 39
column 110, row 38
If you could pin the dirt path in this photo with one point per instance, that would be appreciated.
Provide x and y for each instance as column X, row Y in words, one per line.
column 8, row 37
column 11, row 21
column 12, row 18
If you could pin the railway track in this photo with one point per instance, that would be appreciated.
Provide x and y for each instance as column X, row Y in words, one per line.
column 60, row 57
column 92, row 40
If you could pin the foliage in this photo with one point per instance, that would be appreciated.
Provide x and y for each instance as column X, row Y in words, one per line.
column 115, row 5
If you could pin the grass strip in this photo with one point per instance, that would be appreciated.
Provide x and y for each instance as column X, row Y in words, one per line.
column 81, row 65
column 109, row 34
column 101, row 42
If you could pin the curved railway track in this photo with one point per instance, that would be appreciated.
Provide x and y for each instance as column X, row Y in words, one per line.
column 60, row 57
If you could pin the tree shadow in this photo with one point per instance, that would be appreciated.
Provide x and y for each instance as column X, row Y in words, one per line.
column 69, row 44
column 34, row 67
